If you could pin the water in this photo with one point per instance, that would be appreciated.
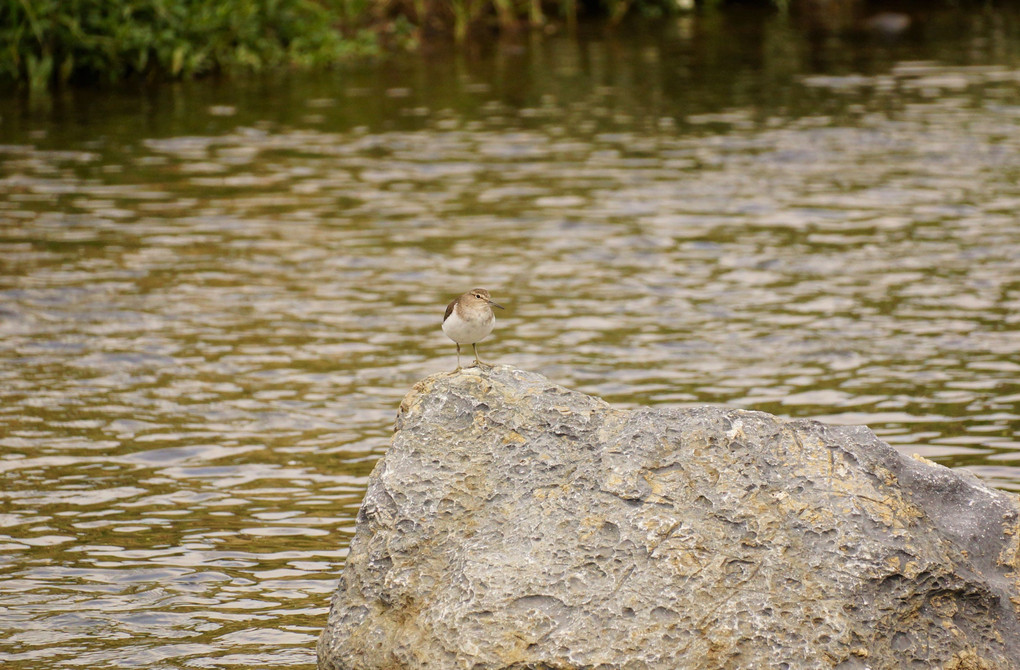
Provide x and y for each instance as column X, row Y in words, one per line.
column 214, row 295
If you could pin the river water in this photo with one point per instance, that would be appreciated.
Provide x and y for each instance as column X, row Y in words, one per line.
column 215, row 294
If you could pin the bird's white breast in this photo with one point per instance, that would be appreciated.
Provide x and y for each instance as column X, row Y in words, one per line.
column 463, row 331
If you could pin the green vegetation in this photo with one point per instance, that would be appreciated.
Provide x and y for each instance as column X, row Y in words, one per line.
column 48, row 41
column 52, row 40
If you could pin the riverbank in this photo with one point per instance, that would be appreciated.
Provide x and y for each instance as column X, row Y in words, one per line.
column 49, row 43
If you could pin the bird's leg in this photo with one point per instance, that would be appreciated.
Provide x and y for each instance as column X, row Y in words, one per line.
column 458, row 355
column 474, row 348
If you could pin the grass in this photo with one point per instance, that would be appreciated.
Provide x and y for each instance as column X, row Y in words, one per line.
column 45, row 41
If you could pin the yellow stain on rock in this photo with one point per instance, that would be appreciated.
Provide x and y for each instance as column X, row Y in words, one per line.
column 1010, row 554
column 968, row 659
column 513, row 437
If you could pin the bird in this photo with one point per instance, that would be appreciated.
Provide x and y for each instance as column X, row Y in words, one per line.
column 469, row 320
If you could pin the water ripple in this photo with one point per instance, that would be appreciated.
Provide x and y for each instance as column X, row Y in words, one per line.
column 205, row 333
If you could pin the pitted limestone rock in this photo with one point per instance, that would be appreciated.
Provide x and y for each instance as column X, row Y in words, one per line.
column 516, row 524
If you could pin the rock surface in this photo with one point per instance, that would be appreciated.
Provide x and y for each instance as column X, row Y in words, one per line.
column 517, row 524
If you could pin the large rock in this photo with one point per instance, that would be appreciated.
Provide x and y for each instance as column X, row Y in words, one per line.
column 516, row 524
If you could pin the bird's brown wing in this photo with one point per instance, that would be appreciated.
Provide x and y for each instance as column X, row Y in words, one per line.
column 449, row 310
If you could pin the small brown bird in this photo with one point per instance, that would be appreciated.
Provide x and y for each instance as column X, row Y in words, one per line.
column 469, row 320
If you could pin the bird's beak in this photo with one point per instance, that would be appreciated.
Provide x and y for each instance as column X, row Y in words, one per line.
column 495, row 305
